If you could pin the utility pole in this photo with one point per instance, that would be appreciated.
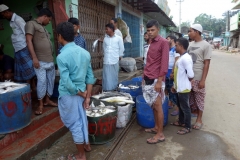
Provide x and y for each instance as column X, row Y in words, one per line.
column 180, row 1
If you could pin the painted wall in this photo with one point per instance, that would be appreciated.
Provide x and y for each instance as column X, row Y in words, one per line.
column 19, row 7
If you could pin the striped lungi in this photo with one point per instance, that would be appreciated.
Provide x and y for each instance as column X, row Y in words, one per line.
column 23, row 68
column 73, row 115
column 110, row 77
column 197, row 97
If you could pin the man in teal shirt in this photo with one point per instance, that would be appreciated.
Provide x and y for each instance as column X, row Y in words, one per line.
column 76, row 80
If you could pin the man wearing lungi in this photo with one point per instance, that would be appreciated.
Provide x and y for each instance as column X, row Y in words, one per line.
column 23, row 67
column 113, row 51
column 154, row 76
column 201, row 53
column 40, row 47
column 76, row 81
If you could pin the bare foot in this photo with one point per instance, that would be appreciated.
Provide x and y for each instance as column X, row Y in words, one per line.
column 50, row 103
column 39, row 110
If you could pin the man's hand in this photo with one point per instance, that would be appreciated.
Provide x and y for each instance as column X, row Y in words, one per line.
column 36, row 63
column 86, row 103
column 171, row 76
column 82, row 94
column 173, row 90
column 201, row 84
column 158, row 86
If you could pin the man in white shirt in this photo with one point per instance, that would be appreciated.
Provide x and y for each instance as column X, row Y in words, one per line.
column 113, row 50
column 146, row 47
column 116, row 30
column 183, row 74
column 23, row 63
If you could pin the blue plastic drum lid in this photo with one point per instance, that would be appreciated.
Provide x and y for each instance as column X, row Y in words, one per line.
column 145, row 116
column 16, row 110
column 138, row 79
column 132, row 92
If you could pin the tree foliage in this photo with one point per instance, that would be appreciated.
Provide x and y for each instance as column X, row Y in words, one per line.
column 211, row 23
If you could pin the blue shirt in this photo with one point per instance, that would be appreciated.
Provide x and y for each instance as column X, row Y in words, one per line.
column 113, row 49
column 79, row 40
column 74, row 64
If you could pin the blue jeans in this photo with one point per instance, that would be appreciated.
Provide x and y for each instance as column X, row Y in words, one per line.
column 184, row 109
column 172, row 96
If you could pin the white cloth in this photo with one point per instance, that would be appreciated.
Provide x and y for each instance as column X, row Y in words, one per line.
column 149, row 93
column 113, row 49
column 146, row 47
column 18, row 37
column 118, row 32
column 184, row 72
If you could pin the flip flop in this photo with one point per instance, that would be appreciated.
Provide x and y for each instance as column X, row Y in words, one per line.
column 155, row 142
column 175, row 113
column 150, row 131
column 72, row 157
column 184, row 131
column 178, row 124
column 197, row 126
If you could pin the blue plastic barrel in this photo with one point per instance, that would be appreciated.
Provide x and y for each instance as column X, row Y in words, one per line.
column 133, row 92
column 138, row 79
column 16, row 110
column 145, row 117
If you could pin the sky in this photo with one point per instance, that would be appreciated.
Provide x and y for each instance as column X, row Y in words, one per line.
column 190, row 9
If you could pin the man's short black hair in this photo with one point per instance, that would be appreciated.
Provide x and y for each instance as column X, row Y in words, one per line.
column 183, row 42
column 1, row 52
column 145, row 33
column 152, row 23
column 74, row 21
column 172, row 38
column 114, row 20
column 66, row 30
column 110, row 25
column 45, row 12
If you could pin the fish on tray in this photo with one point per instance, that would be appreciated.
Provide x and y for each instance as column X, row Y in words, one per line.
column 121, row 86
column 100, row 110
column 95, row 43
column 10, row 86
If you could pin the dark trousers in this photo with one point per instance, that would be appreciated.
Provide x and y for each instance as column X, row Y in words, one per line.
column 184, row 109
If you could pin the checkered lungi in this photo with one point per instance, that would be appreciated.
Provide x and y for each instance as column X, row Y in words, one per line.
column 150, row 95
column 23, row 67
column 45, row 79
column 197, row 97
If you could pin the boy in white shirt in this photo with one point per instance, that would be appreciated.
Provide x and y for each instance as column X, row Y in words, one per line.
column 183, row 74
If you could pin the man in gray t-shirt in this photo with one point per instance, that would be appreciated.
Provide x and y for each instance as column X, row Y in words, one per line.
column 201, row 53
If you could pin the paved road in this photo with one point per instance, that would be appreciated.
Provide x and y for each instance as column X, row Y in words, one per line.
column 218, row 139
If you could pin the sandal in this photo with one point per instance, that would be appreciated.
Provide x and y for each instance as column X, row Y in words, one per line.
column 39, row 111
column 154, row 140
column 197, row 126
column 175, row 113
column 178, row 124
column 151, row 131
column 184, row 131
column 71, row 157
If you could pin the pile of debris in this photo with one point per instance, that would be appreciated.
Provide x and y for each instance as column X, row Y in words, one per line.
column 223, row 48
column 233, row 50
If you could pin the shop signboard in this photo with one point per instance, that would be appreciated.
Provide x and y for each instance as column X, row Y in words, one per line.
column 234, row 22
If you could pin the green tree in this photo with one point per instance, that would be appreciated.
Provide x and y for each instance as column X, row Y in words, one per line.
column 211, row 23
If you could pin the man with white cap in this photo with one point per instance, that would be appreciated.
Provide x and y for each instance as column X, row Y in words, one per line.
column 201, row 53
column 23, row 70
